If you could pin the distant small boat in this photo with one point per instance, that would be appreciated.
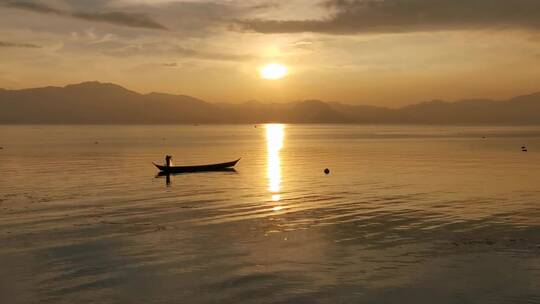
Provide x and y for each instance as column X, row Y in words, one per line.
column 199, row 168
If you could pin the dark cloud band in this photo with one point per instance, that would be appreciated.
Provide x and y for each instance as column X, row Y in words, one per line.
column 394, row 16
column 116, row 18
column 18, row 45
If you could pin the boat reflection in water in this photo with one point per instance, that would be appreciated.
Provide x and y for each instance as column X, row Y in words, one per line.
column 168, row 176
column 275, row 134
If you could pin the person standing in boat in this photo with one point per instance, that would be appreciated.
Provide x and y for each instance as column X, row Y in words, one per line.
column 168, row 160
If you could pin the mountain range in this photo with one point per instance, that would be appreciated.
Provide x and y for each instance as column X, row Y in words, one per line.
column 106, row 103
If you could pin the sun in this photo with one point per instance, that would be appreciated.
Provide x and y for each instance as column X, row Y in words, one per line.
column 273, row 71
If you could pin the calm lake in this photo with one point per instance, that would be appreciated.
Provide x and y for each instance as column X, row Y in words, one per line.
column 407, row 215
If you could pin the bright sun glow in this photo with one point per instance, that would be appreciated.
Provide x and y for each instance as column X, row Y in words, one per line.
column 274, row 71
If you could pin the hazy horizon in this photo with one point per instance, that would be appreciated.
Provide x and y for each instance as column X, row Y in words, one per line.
column 260, row 100
column 390, row 53
column 107, row 103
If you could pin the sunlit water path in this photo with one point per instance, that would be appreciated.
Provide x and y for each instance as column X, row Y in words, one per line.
column 408, row 214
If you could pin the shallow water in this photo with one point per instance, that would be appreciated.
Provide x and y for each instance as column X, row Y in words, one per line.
column 406, row 215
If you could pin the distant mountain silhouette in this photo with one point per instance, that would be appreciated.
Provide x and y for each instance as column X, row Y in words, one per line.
column 106, row 103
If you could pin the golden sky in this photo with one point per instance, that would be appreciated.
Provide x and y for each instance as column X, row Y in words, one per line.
column 378, row 52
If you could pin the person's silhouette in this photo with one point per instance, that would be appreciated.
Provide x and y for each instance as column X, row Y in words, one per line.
column 168, row 160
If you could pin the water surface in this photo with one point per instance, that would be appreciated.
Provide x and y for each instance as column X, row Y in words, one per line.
column 407, row 215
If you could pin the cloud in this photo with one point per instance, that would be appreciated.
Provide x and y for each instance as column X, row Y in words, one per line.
column 131, row 20
column 35, row 7
column 170, row 64
column 186, row 52
column 396, row 16
column 117, row 18
column 19, row 45
column 264, row 6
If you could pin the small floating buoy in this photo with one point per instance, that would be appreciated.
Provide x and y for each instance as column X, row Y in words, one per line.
column 326, row 171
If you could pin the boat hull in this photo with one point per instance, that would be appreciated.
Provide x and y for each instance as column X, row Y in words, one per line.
column 200, row 168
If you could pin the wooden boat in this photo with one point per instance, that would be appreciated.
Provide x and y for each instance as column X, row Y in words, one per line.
column 199, row 168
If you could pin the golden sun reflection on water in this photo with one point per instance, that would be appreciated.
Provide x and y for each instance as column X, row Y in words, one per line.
column 275, row 133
